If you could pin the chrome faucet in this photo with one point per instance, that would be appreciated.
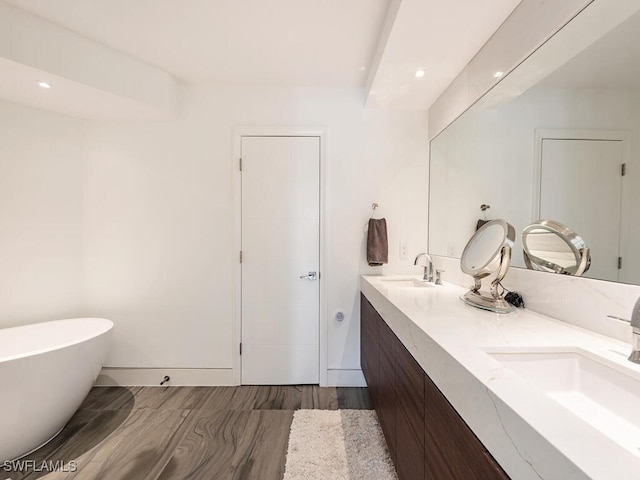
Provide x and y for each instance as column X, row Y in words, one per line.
column 635, row 341
column 428, row 267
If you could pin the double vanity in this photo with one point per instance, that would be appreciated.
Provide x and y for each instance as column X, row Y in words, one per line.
column 468, row 393
column 465, row 384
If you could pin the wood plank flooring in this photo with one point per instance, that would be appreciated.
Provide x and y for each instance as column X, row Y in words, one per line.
column 155, row 433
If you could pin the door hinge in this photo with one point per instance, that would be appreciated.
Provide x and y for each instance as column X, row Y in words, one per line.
column 240, row 256
column 623, row 170
column 240, row 348
column 619, row 263
column 240, row 163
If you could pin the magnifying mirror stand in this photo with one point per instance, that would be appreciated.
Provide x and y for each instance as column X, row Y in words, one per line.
column 493, row 302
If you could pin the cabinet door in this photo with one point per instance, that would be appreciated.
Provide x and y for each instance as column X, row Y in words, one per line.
column 369, row 349
column 426, row 437
column 388, row 399
column 452, row 451
column 409, row 415
column 377, row 359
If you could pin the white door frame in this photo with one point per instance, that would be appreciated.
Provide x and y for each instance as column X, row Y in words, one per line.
column 267, row 131
column 568, row 134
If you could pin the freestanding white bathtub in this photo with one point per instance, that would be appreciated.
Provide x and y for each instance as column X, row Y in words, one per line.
column 46, row 371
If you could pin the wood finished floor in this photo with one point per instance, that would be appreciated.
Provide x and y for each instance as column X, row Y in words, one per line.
column 208, row 433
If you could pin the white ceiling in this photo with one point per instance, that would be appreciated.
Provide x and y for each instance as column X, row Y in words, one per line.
column 324, row 43
column 266, row 42
column 18, row 85
column 440, row 37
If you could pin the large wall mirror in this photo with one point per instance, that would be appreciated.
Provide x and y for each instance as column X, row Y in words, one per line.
column 559, row 139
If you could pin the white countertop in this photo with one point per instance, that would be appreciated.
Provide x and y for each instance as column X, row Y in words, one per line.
column 528, row 433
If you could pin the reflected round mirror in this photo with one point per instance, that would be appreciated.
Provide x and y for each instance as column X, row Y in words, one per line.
column 488, row 252
column 550, row 246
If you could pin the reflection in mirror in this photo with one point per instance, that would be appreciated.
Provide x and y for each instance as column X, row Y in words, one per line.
column 550, row 246
column 559, row 137
column 488, row 252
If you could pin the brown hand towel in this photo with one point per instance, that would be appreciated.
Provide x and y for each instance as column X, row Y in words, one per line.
column 377, row 245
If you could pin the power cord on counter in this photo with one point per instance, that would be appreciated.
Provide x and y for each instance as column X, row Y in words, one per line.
column 513, row 298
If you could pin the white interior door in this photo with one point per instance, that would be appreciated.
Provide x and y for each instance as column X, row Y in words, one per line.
column 591, row 170
column 280, row 260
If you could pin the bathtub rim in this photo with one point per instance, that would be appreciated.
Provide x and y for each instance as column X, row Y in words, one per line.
column 105, row 325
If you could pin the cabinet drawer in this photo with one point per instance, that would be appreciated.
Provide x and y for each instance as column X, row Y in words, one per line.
column 369, row 347
column 387, row 404
column 387, row 340
column 410, row 388
column 368, row 324
column 369, row 360
column 410, row 448
column 452, row 451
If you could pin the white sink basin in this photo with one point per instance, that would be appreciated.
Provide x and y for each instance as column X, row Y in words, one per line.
column 406, row 283
column 602, row 392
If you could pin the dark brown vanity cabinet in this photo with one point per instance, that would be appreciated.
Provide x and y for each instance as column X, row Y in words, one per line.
column 427, row 438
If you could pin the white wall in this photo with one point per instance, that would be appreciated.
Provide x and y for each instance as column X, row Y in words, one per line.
column 158, row 216
column 40, row 216
column 133, row 221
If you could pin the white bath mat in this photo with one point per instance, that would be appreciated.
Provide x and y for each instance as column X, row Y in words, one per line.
column 337, row 445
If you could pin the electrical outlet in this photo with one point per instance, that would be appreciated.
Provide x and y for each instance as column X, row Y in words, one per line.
column 404, row 250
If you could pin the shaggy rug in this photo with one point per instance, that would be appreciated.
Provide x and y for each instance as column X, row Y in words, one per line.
column 337, row 445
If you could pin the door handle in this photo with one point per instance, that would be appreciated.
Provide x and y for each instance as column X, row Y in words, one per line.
column 310, row 276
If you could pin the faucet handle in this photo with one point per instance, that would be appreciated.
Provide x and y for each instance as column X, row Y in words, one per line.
column 439, row 276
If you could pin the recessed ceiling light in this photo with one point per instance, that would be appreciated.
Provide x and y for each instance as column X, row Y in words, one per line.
column 44, row 84
column 420, row 73
column 498, row 74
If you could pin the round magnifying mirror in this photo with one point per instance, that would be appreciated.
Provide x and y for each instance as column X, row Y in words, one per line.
column 550, row 246
column 486, row 253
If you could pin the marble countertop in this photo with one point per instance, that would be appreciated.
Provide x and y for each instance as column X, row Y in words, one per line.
column 528, row 433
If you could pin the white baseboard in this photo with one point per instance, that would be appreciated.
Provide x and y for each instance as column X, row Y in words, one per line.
column 206, row 377
column 127, row 377
column 345, row 378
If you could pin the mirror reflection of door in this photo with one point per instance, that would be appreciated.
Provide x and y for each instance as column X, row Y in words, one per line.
column 592, row 170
